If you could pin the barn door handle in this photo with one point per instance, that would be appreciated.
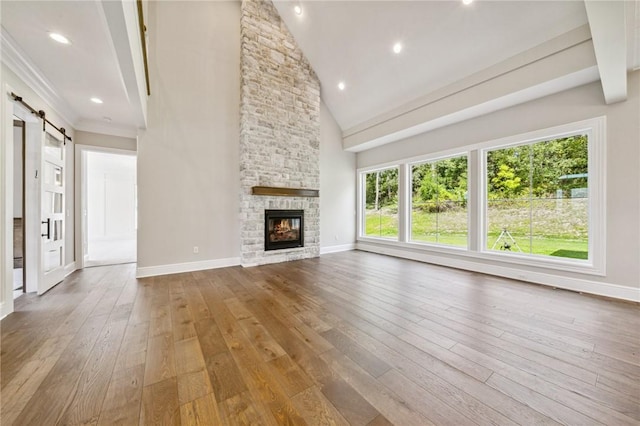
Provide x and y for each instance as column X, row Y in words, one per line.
column 48, row 234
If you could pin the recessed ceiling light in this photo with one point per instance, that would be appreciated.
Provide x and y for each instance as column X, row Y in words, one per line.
column 341, row 85
column 467, row 2
column 397, row 48
column 96, row 100
column 59, row 38
column 297, row 9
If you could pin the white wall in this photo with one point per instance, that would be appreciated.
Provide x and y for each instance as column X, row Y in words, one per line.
column 106, row 141
column 111, row 181
column 188, row 167
column 623, row 167
column 337, row 187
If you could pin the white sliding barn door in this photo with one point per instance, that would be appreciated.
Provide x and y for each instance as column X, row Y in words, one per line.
column 52, row 189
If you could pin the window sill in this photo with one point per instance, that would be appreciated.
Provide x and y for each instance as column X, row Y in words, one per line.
column 580, row 267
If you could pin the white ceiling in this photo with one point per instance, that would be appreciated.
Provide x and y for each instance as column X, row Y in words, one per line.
column 86, row 68
column 350, row 41
column 444, row 41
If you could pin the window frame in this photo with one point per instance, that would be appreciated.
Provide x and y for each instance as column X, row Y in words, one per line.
column 409, row 172
column 594, row 128
column 362, row 202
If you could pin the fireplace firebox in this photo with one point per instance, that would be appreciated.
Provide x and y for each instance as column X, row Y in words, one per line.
column 283, row 229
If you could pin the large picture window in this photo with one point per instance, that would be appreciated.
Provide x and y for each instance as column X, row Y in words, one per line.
column 439, row 202
column 538, row 198
column 381, row 203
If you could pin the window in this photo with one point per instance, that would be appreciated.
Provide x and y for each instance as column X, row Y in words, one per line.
column 381, row 203
column 535, row 199
column 439, row 202
column 538, row 198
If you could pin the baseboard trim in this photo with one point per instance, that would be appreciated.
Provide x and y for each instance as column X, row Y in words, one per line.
column 177, row 268
column 5, row 309
column 614, row 291
column 337, row 249
column 70, row 269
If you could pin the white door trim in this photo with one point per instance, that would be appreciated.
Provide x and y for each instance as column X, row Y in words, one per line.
column 81, row 194
column 6, row 204
column 10, row 108
column 32, row 201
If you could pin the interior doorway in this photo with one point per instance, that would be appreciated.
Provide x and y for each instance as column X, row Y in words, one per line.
column 19, row 281
column 109, row 208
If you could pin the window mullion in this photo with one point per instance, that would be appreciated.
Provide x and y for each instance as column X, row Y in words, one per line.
column 531, row 165
column 476, row 204
column 404, row 203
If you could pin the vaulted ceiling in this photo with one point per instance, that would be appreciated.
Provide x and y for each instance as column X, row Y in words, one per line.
column 449, row 48
column 443, row 43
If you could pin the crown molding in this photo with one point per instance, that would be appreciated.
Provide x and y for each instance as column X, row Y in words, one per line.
column 18, row 62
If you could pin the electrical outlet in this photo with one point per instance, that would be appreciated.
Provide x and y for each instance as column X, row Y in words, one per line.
column 195, row 249
column 336, row 238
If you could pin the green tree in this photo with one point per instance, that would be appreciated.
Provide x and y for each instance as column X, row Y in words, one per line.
column 430, row 189
column 440, row 182
column 452, row 176
column 538, row 169
column 503, row 167
column 381, row 188
column 557, row 159
column 505, row 183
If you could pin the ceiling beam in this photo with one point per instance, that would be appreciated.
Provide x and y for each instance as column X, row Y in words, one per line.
column 607, row 23
column 121, row 18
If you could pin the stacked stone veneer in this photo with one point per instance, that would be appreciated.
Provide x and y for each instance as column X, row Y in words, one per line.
column 279, row 132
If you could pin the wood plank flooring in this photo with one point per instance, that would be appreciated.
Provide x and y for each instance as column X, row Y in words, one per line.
column 346, row 339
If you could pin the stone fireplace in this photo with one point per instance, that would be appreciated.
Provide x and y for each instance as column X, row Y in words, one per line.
column 279, row 135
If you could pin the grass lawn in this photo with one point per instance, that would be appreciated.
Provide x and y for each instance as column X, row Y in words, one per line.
column 559, row 247
column 563, row 233
column 381, row 224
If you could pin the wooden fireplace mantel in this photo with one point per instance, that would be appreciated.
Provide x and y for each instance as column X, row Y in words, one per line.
column 284, row 192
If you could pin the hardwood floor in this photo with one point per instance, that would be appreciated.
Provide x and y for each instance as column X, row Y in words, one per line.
column 349, row 338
